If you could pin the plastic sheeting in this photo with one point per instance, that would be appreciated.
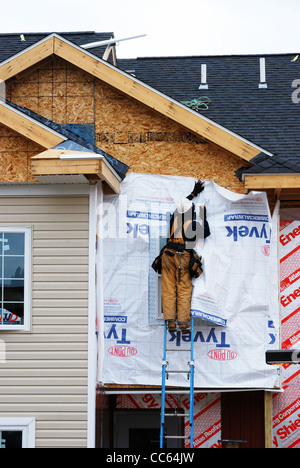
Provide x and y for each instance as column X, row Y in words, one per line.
column 235, row 300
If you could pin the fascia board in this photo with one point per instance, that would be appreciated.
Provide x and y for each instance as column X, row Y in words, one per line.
column 267, row 181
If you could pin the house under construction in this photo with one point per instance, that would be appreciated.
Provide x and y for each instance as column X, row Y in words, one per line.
column 87, row 138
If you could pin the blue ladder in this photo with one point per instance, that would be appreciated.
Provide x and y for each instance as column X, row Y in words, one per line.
column 191, row 377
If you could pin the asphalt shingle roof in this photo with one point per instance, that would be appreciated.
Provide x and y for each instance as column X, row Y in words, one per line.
column 11, row 44
column 267, row 117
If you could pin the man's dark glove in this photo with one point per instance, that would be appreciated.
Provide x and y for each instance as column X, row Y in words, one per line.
column 199, row 187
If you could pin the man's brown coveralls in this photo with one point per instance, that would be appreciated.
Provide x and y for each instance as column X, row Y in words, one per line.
column 176, row 279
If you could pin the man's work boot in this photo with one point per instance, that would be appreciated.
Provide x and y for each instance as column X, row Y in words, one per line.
column 171, row 326
column 184, row 328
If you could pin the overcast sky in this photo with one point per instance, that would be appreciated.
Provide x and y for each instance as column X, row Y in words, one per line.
column 173, row 27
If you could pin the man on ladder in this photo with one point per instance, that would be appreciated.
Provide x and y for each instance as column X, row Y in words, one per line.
column 179, row 263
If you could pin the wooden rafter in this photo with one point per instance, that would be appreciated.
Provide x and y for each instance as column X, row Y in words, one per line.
column 28, row 127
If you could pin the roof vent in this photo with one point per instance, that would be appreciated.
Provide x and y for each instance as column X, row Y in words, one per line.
column 262, row 64
column 204, row 84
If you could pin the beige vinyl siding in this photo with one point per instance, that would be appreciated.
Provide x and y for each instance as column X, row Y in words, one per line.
column 45, row 375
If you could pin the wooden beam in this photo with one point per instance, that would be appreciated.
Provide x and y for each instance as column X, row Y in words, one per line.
column 268, row 420
column 27, row 59
column 57, row 167
column 278, row 192
column 272, row 181
column 155, row 100
column 91, row 165
column 28, row 127
column 49, row 163
column 107, row 176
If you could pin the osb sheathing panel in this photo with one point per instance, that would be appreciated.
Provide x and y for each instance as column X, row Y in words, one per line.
column 133, row 133
column 55, row 90
column 15, row 154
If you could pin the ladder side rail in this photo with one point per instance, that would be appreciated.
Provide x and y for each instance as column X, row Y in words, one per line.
column 192, row 370
column 163, row 389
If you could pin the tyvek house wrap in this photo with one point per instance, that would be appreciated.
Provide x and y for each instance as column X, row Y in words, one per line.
column 235, row 300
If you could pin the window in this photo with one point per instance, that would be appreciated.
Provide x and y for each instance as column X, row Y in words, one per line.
column 17, row 433
column 10, row 439
column 15, row 261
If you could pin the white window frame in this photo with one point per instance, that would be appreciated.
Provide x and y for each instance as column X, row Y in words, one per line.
column 25, row 425
column 27, row 278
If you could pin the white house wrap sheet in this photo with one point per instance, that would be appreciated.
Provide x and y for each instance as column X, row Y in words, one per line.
column 235, row 300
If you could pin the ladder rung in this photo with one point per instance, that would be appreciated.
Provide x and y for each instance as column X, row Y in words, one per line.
column 180, row 415
column 189, row 372
column 185, row 350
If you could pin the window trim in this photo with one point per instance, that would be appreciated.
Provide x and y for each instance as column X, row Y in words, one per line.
column 27, row 230
column 26, row 425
